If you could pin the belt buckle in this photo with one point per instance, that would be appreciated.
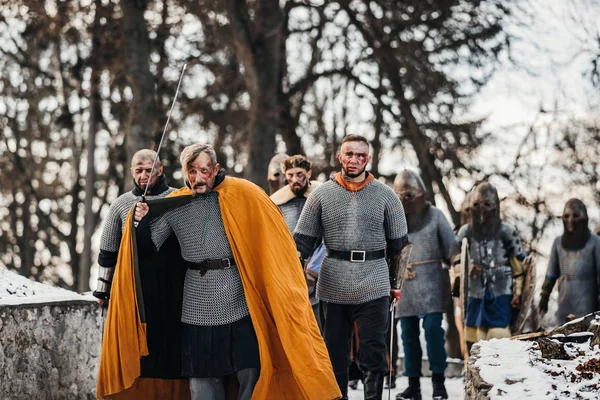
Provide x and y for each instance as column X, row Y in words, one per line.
column 228, row 263
column 358, row 260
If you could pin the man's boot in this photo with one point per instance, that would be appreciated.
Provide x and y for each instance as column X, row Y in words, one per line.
column 342, row 380
column 439, row 390
column 373, row 382
column 390, row 383
column 413, row 391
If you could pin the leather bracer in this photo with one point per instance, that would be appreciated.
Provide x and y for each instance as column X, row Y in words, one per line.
column 397, row 263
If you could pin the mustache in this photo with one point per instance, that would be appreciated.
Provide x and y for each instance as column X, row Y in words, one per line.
column 199, row 184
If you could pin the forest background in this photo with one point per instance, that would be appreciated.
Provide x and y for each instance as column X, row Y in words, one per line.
column 461, row 91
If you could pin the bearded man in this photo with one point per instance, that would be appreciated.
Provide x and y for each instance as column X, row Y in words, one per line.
column 361, row 222
column 291, row 199
column 426, row 286
column 495, row 271
column 141, row 169
column 243, row 290
column 575, row 265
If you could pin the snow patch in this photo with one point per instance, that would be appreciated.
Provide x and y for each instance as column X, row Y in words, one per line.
column 517, row 370
column 16, row 289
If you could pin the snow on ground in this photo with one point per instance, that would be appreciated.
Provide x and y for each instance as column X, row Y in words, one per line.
column 16, row 289
column 454, row 386
column 517, row 370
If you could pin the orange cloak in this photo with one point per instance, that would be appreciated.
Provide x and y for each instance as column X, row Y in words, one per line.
column 294, row 360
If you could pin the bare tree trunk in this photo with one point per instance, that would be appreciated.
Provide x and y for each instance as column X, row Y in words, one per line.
column 376, row 143
column 72, row 238
column 89, row 226
column 141, row 80
column 257, row 45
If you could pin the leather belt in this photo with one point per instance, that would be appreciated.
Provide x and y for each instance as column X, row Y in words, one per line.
column 224, row 263
column 356, row 255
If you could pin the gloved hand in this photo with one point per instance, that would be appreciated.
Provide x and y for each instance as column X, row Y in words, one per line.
column 101, row 298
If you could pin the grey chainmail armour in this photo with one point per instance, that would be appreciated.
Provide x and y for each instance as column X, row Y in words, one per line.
column 492, row 260
column 110, row 240
column 425, row 288
column 117, row 214
column 217, row 298
column 578, row 273
column 291, row 211
column 363, row 220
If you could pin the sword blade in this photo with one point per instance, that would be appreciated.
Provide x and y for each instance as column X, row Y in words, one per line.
column 165, row 129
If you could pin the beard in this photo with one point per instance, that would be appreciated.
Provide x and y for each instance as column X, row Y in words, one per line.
column 199, row 185
column 299, row 190
column 354, row 175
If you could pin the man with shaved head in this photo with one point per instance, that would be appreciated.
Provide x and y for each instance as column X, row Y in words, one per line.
column 575, row 265
column 143, row 176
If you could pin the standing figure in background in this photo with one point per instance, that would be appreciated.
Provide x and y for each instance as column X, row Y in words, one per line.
column 575, row 264
column 141, row 167
column 362, row 223
column 465, row 210
column 275, row 176
column 494, row 271
column 291, row 199
column 425, row 287
column 465, row 219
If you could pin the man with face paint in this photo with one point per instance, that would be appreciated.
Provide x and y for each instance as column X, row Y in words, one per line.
column 275, row 175
column 495, row 272
column 291, row 199
column 362, row 222
column 575, row 264
column 141, row 167
column 238, row 254
column 425, row 286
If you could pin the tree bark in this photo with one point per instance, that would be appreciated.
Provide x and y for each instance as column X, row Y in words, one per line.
column 140, row 79
column 257, row 46
column 89, row 226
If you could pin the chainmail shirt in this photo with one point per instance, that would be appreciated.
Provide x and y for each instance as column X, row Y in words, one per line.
column 217, row 298
column 110, row 240
column 291, row 213
column 578, row 273
column 117, row 214
column 363, row 220
column 425, row 292
column 492, row 258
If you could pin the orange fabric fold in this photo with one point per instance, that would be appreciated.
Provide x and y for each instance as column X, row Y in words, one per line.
column 294, row 360
column 124, row 338
column 353, row 186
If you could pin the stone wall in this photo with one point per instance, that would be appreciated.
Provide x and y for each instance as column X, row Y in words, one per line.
column 50, row 350
column 475, row 387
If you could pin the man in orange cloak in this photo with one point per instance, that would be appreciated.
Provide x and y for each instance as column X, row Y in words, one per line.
column 278, row 328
